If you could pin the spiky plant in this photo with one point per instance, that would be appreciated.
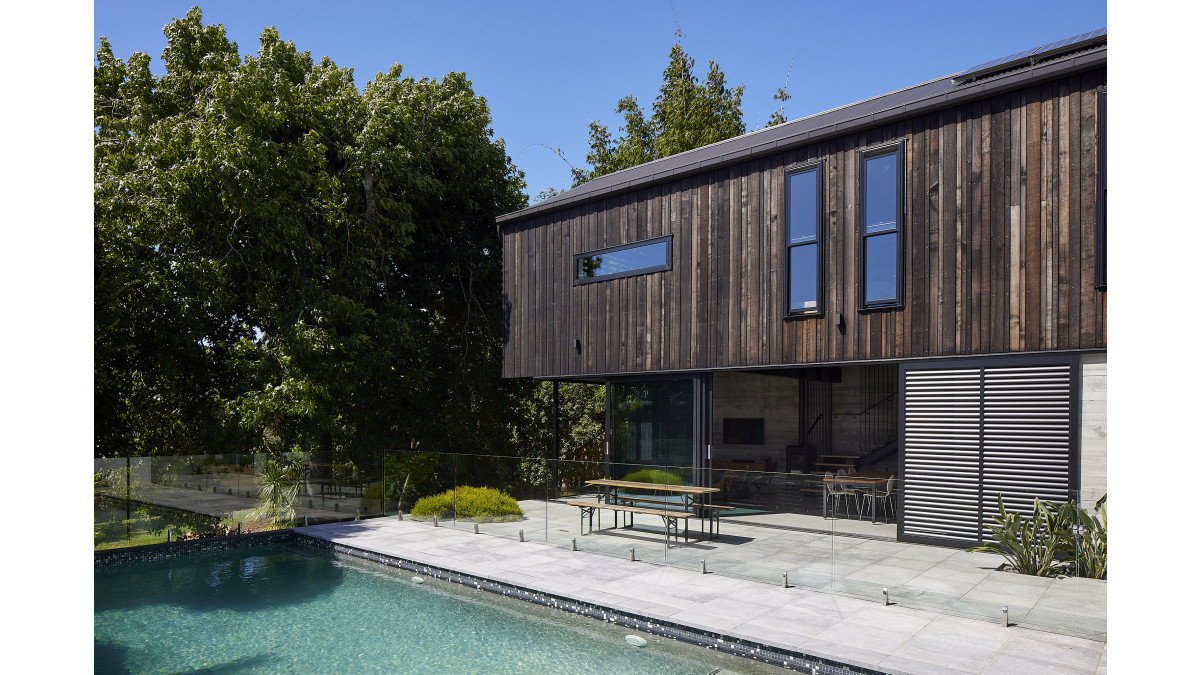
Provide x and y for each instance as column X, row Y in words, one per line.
column 279, row 489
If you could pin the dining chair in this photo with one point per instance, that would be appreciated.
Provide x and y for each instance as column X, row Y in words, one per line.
column 888, row 497
column 837, row 490
column 861, row 492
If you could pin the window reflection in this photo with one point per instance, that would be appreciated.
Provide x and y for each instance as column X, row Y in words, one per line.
column 652, row 425
column 880, row 197
column 624, row 261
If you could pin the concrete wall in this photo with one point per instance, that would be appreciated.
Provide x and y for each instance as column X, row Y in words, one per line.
column 773, row 398
column 1093, row 420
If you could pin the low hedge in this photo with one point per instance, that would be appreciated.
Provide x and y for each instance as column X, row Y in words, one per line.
column 469, row 503
column 654, row 476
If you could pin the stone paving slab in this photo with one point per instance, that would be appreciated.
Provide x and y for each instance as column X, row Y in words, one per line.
column 893, row 639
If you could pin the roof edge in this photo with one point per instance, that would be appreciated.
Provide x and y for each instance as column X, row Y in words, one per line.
column 809, row 130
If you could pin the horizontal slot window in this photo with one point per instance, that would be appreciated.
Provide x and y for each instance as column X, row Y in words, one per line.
column 652, row 255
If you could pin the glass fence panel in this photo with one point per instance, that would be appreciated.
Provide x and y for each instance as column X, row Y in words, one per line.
column 410, row 476
column 504, row 496
column 826, row 532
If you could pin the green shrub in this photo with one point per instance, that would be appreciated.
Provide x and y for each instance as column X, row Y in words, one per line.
column 473, row 503
column 372, row 497
column 654, row 476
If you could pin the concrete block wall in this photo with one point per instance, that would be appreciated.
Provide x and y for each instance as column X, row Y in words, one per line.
column 1093, row 420
column 773, row 398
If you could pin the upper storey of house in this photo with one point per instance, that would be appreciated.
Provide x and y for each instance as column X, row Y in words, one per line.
column 962, row 216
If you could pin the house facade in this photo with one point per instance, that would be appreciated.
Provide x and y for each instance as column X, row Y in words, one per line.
column 915, row 283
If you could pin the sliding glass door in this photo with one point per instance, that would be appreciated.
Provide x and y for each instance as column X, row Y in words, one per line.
column 652, row 428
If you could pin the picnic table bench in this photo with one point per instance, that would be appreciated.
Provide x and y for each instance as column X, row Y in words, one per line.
column 711, row 511
column 671, row 517
column 688, row 505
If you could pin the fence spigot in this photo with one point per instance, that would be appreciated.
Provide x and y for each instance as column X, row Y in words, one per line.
column 435, row 521
column 520, row 535
column 703, row 567
column 573, row 547
column 476, row 528
column 885, row 596
column 168, row 535
column 631, row 556
column 239, row 528
column 785, row 584
column 1004, row 610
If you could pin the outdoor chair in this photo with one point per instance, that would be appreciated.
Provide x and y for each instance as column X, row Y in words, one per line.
column 837, row 490
column 888, row 497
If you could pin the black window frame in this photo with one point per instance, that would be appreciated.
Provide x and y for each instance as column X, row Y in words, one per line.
column 865, row 154
column 1102, row 189
column 817, row 165
column 621, row 275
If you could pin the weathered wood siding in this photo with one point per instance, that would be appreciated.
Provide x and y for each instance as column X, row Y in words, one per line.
column 999, row 253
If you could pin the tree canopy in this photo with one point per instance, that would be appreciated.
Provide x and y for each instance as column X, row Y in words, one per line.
column 282, row 258
column 686, row 114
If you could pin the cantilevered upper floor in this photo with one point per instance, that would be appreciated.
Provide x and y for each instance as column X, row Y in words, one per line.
column 962, row 216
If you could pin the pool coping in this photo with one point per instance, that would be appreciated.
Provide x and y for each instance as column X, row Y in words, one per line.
column 782, row 658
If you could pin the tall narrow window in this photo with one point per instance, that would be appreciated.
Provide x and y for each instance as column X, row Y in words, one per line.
column 804, row 239
column 1102, row 190
column 881, row 194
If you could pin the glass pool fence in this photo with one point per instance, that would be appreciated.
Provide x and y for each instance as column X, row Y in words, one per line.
column 829, row 532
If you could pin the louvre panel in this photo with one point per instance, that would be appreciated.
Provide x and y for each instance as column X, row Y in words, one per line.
column 941, row 453
column 974, row 434
column 1026, row 438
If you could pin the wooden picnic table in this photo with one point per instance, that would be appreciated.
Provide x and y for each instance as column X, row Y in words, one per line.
column 691, row 498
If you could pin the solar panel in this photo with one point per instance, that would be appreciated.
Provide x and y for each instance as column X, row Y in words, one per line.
column 1029, row 56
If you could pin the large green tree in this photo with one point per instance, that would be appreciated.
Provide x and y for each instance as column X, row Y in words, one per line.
column 283, row 259
column 686, row 114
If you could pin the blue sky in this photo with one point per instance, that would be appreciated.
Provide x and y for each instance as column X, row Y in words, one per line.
column 549, row 68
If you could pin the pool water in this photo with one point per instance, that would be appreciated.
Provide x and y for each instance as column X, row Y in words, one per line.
column 290, row 608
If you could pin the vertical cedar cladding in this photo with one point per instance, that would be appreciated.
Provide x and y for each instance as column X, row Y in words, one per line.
column 998, row 252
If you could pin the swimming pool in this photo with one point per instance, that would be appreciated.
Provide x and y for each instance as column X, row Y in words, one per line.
column 292, row 608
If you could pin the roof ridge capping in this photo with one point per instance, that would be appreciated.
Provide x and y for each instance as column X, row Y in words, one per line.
column 1029, row 57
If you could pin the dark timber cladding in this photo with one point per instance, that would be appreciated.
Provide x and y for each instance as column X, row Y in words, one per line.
column 999, row 250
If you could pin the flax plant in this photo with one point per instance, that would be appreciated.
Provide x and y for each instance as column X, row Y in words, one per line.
column 1035, row 546
column 1057, row 539
column 1091, row 539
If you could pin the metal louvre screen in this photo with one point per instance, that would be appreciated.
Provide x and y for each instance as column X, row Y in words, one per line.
column 1026, row 437
column 941, row 453
column 974, row 433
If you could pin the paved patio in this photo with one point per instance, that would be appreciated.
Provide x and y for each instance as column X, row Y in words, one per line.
column 945, row 614
column 895, row 639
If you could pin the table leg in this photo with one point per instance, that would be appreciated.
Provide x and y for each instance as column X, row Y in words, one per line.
column 873, row 488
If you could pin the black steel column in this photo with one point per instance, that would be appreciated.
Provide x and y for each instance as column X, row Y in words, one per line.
column 555, row 450
column 607, row 428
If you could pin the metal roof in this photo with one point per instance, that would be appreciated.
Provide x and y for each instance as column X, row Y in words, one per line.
column 1064, row 57
column 1030, row 56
